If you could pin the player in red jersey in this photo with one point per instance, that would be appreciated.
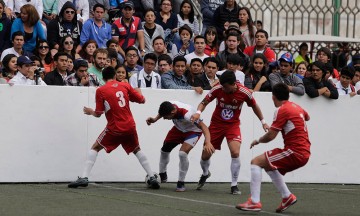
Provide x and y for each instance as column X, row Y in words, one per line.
column 289, row 118
column 225, row 123
column 113, row 99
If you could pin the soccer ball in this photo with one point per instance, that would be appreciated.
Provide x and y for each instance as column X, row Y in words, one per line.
column 147, row 177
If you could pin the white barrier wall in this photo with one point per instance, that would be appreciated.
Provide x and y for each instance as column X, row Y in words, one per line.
column 45, row 137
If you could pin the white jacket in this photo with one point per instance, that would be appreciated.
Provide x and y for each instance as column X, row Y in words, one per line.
column 137, row 80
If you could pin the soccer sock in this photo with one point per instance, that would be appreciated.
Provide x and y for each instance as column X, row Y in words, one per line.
column 144, row 162
column 279, row 183
column 205, row 166
column 255, row 183
column 235, row 169
column 164, row 160
column 183, row 165
column 92, row 155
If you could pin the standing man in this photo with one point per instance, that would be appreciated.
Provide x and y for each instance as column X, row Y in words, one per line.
column 290, row 119
column 225, row 123
column 113, row 99
column 185, row 132
column 147, row 77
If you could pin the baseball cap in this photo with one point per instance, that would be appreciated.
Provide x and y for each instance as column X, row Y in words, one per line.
column 286, row 57
column 80, row 63
column 129, row 4
column 24, row 60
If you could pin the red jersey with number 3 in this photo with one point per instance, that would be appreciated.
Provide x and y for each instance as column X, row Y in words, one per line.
column 113, row 99
column 228, row 106
column 289, row 118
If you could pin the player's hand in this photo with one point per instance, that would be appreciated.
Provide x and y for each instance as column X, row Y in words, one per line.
column 195, row 117
column 209, row 148
column 88, row 110
column 266, row 127
column 150, row 120
column 254, row 143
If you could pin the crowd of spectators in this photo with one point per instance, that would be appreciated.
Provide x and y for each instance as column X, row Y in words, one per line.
column 160, row 44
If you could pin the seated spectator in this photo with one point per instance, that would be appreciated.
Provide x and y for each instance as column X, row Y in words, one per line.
column 9, row 67
column 121, row 74
column 60, row 73
column 113, row 44
column 106, row 4
column 261, row 46
column 164, row 64
column 82, row 9
column 176, row 79
column 248, row 28
column 211, row 66
column 208, row 8
column 38, row 67
column 67, row 46
column 16, row 5
column 256, row 78
column 317, row 85
column 70, row 65
column 324, row 55
column 112, row 59
column 184, row 45
column 81, row 77
column 344, row 86
column 194, row 74
column 224, row 14
column 25, row 74
column 100, row 56
column 341, row 56
column 286, row 76
column 30, row 21
column 199, row 42
column 43, row 52
column 211, row 41
column 50, row 11
column 235, row 64
column 152, row 31
column 187, row 16
column 5, row 22
column 158, row 46
column 147, row 77
column 356, row 79
column 131, row 61
column 303, row 54
column 87, row 51
column 258, row 24
column 301, row 70
column 17, row 39
column 233, row 27
column 355, row 61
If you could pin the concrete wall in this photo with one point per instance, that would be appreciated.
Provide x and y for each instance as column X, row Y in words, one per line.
column 45, row 137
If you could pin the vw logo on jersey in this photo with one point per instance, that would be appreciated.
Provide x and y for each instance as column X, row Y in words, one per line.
column 227, row 114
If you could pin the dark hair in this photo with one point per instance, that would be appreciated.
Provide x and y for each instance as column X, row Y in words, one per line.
column 191, row 14
column 123, row 66
column 249, row 22
column 83, row 52
column 228, row 77
column 178, row 59
column 151, row 56
column 321, row 66
column 131, row 48
column 348, row 71
column 324, row 50
column 211, row 59
column 258, row 56
column 198, row 36
column 158, row 38
column 111, row 41
column 48, row 59
column 212, row 29
column 233, row 34
column 357, row 69
column 165, row 57
column 6, row 60
column 102, row 51
column 196, row 60
column 36, row 58
column 58, row 54
column 263, row 31
column 281, row 91
column 62, row 46
column 98, row 5
column 17, row 33
column 112, row 54
column 108, row 73
column 233, row 58
column 258, row 22
column 165, row 108
column 187, row 28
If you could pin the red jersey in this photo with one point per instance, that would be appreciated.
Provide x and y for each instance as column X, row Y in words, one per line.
column 228, row 106
column 113, row 98
column 289, row 118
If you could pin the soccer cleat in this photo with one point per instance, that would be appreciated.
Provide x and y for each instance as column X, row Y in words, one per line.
column 235, row 190
column 180, row 187
column 286, row 203
column 153, row 182
column 202, row 181
column 249, row 206
column 163, row 177
column 80, row 182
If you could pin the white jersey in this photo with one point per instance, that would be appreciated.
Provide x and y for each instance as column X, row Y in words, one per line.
column 240, row 76
column 182, row 117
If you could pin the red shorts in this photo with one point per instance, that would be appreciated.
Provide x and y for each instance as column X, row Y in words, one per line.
column 285, row 160
column 111, row 141
column 219, row 131
column 177, row 136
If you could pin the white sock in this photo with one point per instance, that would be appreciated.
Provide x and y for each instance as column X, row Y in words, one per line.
column 235, row 169
column 255, row 183
column 164, row 160
column 144, row 162
column 90, row 161
column 279, row 183
column 183, row 165
column 205, row 166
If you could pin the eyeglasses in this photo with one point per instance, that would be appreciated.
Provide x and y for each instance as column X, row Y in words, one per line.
column 70, row 12
column 69, row 42
column 131, row 55
column 163, row 65
column 43, row 47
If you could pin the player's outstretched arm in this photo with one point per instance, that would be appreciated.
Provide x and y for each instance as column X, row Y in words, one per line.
column 89, row 111
column 201, row 107
column 208, row 147
column 151, row 120
column 269, row 136
column 259, row 114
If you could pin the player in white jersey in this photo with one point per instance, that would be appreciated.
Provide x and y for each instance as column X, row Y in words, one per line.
column 184, row 132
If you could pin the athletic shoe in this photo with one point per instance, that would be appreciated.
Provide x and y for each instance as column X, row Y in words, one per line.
column 235, row 190
column 163, row 177
column 249, row 206
column 80, row 182
column 153, row 182
column 180, row 186
column 202, row 181
column 286, row 203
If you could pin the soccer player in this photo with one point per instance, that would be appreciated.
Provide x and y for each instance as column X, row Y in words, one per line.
column 289, row 118
column 225, row 123
column 185, row 132
column 113, row 99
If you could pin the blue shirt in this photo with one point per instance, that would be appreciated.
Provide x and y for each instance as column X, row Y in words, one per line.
column 91, row 31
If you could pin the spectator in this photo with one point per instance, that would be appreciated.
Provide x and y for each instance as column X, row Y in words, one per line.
column 152, row 30
column 285, row 75
column 261, row 46
column 199, row 42
column 30, row 21
column 67, row 46
column 112, row 59
column 43, row 52
column 131, row 60
column 301, row 70
column 356, row 79
column 158, row 46
column 185, row 45
column 303, row 54
column 164, row 64
column 324, row 55
column 258, row 24
column 60, row 73
column 16, row 5
column 121, row 75
column 344, row 87
column 5, row 22
column 82, row 9
column 9, row 67
column 233, row 27
column 87, row 51
column 50, row 10
column 63, row 25
column 194, row 74
column 17, row 39
column 211, row 66
column 175, row 79
column 256, row 78
column 127, row 29
column 224, row 14
column 341, row 56
column 147, row 77
column 113, row 44
column 106, row 4
column 96, row 28
column 211, row 41
column 100, row 56
column 70, row 65
column 187, row 16
column 208, row 8
column 25, row 74
column 355, row 61
column 235, row 64
column 247, row 27
column 317, row 85
column 81, row 77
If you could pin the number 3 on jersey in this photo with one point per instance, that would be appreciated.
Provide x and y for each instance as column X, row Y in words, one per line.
column 122, row 101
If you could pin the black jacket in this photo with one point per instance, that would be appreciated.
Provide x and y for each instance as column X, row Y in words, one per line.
column 54, row 78
column 312, row 86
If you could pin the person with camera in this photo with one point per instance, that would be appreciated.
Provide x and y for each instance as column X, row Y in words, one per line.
column 26, row 75
column 81, row 77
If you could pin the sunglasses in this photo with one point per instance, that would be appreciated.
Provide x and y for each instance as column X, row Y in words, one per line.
column 69, row 12
column 68, row 42
column 43, row 47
